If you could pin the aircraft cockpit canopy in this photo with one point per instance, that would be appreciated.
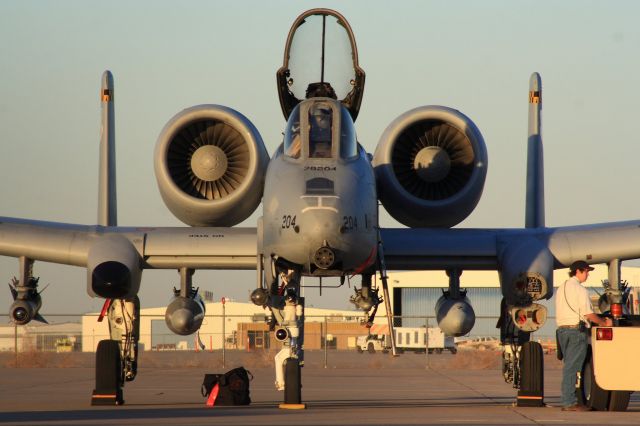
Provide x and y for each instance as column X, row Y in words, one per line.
column 320, row 128
column 320, row 60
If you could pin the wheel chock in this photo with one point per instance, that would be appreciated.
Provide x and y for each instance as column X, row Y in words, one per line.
column 529, row 399
column 292, row 406
column 107, row 398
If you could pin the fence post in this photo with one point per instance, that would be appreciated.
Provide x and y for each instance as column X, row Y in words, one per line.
column 223, row 332
column 426, row 342
column 15, row 342
column 325, row 342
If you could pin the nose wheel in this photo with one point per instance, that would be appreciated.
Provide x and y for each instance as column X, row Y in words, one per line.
column 293, row 385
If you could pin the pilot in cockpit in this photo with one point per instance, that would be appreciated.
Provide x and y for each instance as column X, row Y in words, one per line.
column 320, row 121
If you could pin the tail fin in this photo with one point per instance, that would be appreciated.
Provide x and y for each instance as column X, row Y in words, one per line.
column 534, row 210
column 107, row 206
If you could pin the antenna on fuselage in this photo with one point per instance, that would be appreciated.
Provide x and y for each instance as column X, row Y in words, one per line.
column 534, row 208
column 107, row 206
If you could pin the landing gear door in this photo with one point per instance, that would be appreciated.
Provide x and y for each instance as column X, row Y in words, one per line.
column 320, row 60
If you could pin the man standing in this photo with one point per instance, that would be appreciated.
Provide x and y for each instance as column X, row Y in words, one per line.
column 573, row 306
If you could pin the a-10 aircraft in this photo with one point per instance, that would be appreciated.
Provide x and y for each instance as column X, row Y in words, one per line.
column 319, row 193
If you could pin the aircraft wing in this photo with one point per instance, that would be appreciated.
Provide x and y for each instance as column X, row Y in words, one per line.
column 158, row 248
column 484, row 249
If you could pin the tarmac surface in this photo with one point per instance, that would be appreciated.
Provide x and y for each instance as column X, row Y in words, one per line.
column 354, row 389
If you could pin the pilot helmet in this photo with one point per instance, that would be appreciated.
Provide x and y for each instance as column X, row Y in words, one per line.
column 320, row 110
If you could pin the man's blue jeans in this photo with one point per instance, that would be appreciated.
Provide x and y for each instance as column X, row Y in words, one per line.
column 574, row 349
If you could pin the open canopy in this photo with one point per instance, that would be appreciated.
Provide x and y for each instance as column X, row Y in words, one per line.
column 320, row 60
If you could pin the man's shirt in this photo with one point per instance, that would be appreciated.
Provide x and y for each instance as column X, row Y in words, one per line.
column 572, row 303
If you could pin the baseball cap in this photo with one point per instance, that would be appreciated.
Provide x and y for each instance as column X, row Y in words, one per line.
column 580, row 264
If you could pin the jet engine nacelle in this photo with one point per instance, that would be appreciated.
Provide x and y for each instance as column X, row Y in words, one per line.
column 455, row 316
column 210, row 164
column 184, row 315
column 113, row 268
column 430, row 164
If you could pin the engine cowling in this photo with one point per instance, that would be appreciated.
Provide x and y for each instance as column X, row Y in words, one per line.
column 430, row 164
column 210, row 162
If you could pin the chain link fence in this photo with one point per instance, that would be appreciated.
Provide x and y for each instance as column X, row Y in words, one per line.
column 232, row 335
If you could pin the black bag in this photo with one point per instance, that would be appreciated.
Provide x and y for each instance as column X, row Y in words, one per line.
column 233, row 387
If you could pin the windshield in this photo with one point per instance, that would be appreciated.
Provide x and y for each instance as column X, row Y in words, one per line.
column 348, row 141
column 320, row 130
column 292, row 140
column 328, row 126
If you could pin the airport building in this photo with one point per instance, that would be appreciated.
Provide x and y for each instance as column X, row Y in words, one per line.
column 40, row 337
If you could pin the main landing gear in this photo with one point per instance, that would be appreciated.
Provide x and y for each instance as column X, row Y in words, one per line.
column 522, row 361
column 117, row 358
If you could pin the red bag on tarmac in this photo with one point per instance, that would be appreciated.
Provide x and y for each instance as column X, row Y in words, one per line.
column 232, row 387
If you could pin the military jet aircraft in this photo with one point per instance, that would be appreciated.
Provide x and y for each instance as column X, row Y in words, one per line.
column 319, row 193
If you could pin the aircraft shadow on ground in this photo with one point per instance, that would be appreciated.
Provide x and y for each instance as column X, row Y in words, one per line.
column 133, row 412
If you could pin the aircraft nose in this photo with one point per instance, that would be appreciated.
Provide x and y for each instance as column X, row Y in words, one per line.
column 321, row 224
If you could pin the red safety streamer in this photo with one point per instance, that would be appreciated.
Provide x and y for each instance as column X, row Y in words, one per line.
column 213, row 395
column 105, row 308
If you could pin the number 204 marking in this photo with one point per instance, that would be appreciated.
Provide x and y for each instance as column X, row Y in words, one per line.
column 350, row 222
column 288, row 221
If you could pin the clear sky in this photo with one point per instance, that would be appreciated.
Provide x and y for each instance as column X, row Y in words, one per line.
column 474, row 56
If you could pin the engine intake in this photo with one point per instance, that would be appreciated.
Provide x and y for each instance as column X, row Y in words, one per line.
column 431, row 164
column 210, row 163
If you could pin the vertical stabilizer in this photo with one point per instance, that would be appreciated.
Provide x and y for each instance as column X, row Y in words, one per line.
column 107, row 207
column 534, row 210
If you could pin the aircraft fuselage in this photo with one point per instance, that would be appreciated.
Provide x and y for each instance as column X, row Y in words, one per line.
column 320, row 208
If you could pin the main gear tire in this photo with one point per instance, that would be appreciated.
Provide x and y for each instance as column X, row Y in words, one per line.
column 109, row 374
column 532, row 368
column 619, row 400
